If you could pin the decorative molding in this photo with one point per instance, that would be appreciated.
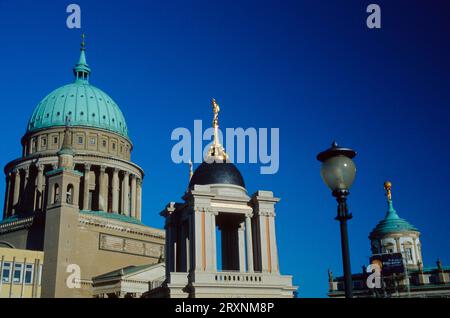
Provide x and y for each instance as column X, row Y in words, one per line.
column 120, row 227
column 126, row 245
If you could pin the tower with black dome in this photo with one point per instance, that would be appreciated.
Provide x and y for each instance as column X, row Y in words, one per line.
column 216, row 203
column 85, row 176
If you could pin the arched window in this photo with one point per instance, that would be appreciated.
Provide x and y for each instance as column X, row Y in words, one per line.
column 69, row 194
column 56, row 193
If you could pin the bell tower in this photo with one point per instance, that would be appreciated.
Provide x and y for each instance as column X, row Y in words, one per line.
column 61, row 224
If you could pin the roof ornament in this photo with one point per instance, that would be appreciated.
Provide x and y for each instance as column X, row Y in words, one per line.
column 81, row 69
column 387, row 187
column 191, row 170
column 83, row 44
column 216, row 152
column 439, row 264
column 391, row 213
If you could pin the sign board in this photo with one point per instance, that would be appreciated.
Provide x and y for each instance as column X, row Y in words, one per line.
column 391, row 263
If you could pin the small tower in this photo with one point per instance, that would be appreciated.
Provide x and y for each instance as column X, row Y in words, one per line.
column 217, row 204
column 61, row 223
column 396, row 235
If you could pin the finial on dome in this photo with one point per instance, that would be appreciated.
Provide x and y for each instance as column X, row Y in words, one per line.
column 216, row 152
column 82, row 70
column 83, row 44
column 387, row 187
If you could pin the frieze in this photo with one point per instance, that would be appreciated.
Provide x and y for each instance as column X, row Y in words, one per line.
column 129, row 246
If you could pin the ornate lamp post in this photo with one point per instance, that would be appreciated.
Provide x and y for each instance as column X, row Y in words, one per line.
column 338, row 172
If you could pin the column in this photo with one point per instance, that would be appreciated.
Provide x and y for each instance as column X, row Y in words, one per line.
column 182, row 245
column 87, row 169
column 213, row 241
column 26, row 199
column 191, row 242
column 16, row 194
column 27, row 178
column 39, row 188
column 241, row 246
column 187, row 242
column 397, row 244
column 102, row 191
column 126, row 194
column 115, row 191
column 249, row 243
column 133, row 196
column 264, row 249
column 418, row 257
column 7, row 195
column 139, row 199
column 273, row 244
column 199, row 227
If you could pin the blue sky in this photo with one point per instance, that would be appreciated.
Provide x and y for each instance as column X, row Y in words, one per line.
column 312, row 69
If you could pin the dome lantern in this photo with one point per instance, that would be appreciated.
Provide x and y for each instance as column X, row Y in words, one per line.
column 81, row 69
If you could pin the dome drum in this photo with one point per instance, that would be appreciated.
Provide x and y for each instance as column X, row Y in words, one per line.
column 85, row 140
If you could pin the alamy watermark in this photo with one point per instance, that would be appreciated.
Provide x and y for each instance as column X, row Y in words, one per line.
column 251, row 145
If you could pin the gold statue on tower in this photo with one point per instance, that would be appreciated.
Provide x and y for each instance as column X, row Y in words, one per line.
column 216, row 152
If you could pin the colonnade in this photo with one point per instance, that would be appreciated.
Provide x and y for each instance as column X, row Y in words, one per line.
column 102, row 188
column 248, row 242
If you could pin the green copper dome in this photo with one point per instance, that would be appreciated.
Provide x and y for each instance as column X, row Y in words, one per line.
column 391, row 223
column 84, row 105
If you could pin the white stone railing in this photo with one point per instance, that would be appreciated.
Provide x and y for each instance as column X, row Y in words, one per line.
column 238, row 277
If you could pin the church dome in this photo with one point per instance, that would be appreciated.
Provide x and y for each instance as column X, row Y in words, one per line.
column 217, row 173
column 392, row 222
column 80, row 102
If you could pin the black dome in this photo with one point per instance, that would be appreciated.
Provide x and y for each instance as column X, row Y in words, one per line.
column 217, row 172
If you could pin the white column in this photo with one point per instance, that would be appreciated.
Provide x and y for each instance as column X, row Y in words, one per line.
column 213, row 241
column 273, row 245
column 169, row 246
column 191, row 242
column 115, row 191
column 241, row 246
column 139, row 199
column 27, row 178
column 182, row 247
column 209, row 238
column 87, row 168
column 198, row 241
column 126, row 194
column 416, row 250
column 249, row 243
column 7, row 194
column 39, row 188
column 133, row 196
column 16, row 194
column 102, row 191
column 263, row 243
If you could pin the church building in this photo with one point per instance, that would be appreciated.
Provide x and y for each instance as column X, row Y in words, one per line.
column 73, row 196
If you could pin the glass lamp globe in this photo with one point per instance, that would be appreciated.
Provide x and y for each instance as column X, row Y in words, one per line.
column 338, row 172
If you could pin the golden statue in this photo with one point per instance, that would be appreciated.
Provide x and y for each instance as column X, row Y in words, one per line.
column 191, row 170
column 216, row 110
column 216, row 150
column 387, row 187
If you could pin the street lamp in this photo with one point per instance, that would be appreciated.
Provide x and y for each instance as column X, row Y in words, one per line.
column 338, row 172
